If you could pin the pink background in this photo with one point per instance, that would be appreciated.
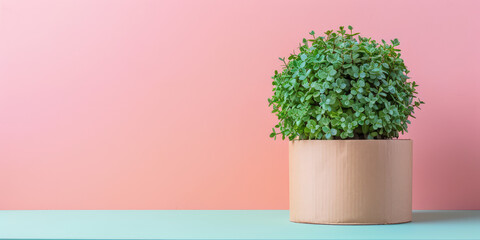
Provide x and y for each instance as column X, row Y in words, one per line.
column 163, row 104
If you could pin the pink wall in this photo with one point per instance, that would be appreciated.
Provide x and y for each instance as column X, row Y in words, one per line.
column 163, row 104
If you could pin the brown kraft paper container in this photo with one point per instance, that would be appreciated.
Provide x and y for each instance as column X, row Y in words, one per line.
column 350, row 181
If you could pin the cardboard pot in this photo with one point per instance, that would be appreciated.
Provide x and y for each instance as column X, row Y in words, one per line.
column 350, row 181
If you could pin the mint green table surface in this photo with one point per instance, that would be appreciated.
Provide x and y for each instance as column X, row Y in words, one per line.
column 221, row 224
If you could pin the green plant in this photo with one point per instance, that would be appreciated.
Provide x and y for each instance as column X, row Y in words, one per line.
column 343, row 86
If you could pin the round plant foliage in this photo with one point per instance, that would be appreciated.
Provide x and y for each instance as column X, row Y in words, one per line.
column 343, row 86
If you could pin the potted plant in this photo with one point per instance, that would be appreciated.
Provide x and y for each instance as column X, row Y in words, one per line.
column 342, row 101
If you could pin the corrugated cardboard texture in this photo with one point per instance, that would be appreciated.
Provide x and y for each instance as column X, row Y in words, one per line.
column 350, row 181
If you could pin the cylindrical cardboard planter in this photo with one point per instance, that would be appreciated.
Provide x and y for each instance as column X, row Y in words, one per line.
column 350, row 181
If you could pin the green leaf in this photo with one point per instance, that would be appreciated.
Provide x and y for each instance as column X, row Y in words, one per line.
column 332, row 72
column 395, row 42
column 333, row 131
column 331, row 59
column 391, row 89
column 325, row 129
column 361, row 83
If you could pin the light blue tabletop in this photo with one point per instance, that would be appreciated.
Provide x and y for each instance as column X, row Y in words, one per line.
column 222, row 224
